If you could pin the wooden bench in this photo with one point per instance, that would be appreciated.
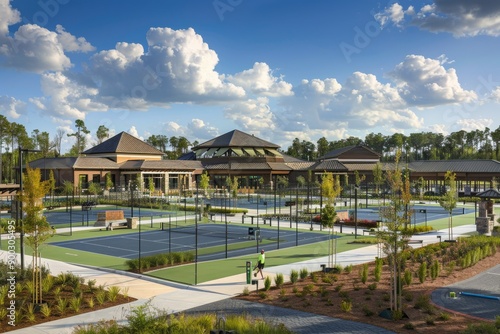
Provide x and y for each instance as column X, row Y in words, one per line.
column 116, row 224
column 115, row 217
column 370, row 232
column 414, row 242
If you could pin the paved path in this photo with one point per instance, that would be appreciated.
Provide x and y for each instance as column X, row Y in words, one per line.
column 296, row 321
column 485, row 305
column 214, row 295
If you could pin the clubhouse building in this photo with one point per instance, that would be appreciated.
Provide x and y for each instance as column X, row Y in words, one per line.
column 256, row 163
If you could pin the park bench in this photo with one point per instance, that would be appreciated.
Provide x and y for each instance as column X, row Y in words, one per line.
column 117, row 224
column 88, row 205
column 414, row 242
column 114, row 219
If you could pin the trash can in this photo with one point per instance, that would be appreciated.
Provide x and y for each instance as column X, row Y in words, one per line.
column 249, row 272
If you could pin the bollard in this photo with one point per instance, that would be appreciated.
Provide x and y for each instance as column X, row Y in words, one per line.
column 249, row 271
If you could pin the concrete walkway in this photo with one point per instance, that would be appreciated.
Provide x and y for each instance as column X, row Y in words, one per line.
column 173, row 297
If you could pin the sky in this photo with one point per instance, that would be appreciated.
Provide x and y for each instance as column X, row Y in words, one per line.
column 278, row 69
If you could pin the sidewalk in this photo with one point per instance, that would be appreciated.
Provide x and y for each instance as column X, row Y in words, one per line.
column 174, row 297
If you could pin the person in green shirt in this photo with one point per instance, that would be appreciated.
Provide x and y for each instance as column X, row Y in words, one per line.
column 260, row 264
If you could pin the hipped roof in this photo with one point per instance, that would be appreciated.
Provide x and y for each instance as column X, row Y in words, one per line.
column 123, row 143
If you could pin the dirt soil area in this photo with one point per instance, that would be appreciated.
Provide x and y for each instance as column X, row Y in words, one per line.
column 324, row 296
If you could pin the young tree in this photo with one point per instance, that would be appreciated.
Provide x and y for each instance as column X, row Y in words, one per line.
column 109, row 181
column 151, row 189
column 419, row 187
column 330, row 188
column 94, row 188
column 232, row 184
column 35, row 225
column 395, row 238
column 52, row 184
column 449, row 200
column 282, row 185
column 204, row 184
column 301, row 181
column 68, row 189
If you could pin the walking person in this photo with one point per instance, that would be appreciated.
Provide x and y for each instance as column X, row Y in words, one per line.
column 260, row 264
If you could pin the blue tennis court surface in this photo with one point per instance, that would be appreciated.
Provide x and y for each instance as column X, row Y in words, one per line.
column 419, row 213
column 185, row 239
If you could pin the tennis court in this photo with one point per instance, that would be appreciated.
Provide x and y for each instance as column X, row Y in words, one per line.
column 213, row 241
column 420, row 214
column 78, row 217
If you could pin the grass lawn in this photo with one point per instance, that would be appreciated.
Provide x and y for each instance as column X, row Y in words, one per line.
column 212, row 270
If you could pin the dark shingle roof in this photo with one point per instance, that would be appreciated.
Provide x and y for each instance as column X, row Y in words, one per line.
column 94, row 163
column 236, row 138
column 123, row 143
column 355, row 150
column 490, row 193
column 329, row 165
column 363, row 166
column 301, row 165
column 248, row 166
column 172, row 164
column 457, row 166
column 53, row 163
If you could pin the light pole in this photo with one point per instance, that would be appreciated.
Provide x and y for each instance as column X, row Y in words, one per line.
column 19, row 214
column 355, row 212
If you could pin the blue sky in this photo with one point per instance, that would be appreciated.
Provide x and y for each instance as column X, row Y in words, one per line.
column 278, row 69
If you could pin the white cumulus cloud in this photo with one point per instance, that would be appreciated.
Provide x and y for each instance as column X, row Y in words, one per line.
column 65, row 98
column 8, row 16
column 178, row 66
column 37, row 49
column 72, row 43
column 426, row 82
column 471, row 124
column 462, row 18
column 251, row 115
column 11, row 107
column 261, row 81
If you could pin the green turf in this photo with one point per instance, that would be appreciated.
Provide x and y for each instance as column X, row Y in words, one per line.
column 212, row 270
column 75, row 256
column 458, row 220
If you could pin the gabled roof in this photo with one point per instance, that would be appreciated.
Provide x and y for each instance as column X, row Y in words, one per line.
column 457, row 166
column 123, row 143
column 352, row 152
column 236, row 138
column 329, row 166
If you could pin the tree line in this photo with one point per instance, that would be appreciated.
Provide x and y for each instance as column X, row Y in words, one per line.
column 14, row 135
column 475, row 144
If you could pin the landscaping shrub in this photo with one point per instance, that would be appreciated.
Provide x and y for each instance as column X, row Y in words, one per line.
column 346, row 306
column 364, row 273
column 422, row 272
column 435, row 269
column 407, row 276
column 303, row 273
column 377, row 272
column 267, row 283
column 159, row 260
column 279, row 280
column 294, row 276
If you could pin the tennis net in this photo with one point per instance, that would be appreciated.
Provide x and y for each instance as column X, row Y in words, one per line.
column 213, row 230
